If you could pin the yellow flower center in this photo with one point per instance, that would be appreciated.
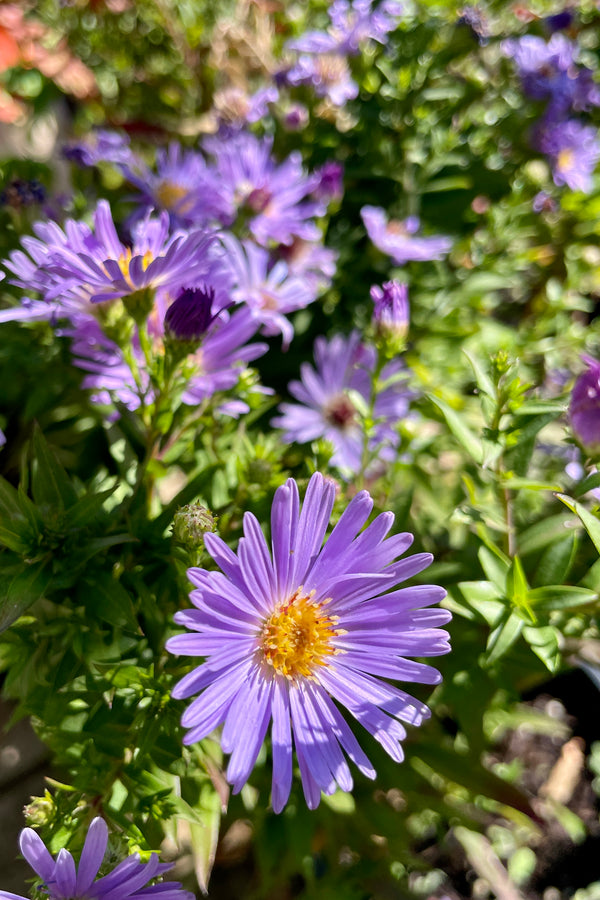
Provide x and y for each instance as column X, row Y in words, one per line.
column 170, row 195
column 125, row 259
column 297, row 636
column 565, row 159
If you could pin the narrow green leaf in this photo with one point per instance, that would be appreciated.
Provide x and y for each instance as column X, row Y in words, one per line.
column 590, row 522
column 461, row 432
column 588, row 484
column 544, row 642
column 561, row 596
column 50, row 484
column 23, row 590
column 484, row 382
column 495, row 566
column 503, row 637
column 546, row 532
column 106, row 599
column 205, row 837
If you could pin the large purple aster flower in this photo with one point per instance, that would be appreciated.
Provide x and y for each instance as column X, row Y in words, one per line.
column 82, row 265
column 327, row 410
column 288, row 635
column 400, row 239
column 573, row 150
column 275, row 197
column 62, row 880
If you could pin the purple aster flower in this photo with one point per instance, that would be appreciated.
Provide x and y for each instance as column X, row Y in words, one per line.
column 573, row 150
column 291, row 635
column 544, row 202
column 311, row 261
column 269, row 291
column 391, row 311
column 181, row 185
column 273, row 196
column 400, row 240
column 81, row 266
column 352, row 24
column 102, row 146
column 584, row 409
column 326, row 408
column 548, row 71
column 327, row 73
column 62, row 880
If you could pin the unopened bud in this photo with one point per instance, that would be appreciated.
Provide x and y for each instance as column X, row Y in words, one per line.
column 391, row 314
column 190, row 523
column 190, row 315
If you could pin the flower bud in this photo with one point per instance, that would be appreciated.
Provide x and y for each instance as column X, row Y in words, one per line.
column 391, row 314
column 584, row 409
column 190, row 523
column 189, row 317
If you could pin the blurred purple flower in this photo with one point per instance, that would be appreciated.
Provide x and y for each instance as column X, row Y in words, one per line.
column 573, row 150
column 62, row 880
column 288, row 635
column 182, row 185
column 235, row 108
column 400, row 240
column 352, row 24
column 102, row 146
column 584, row 409
column 327, row 73
column 331, row 182
column 275, row 197
column 269, row 291
column 548, row 71
column 327, row 410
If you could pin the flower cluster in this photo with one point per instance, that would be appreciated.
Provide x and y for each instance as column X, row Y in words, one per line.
column 549, row 72
column 290, row 635
column 235, row 248
column 322, row 55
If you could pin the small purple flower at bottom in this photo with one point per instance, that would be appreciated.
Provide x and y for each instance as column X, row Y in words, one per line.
column 289, row 635
column 64, row 881
column 400, row 239
column 584, row 409
column 573, row 150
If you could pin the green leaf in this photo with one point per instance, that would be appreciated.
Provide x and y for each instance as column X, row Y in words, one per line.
column 546, row 532
column 484, row 382
column 50, row 484
column 22, row 591
column 16, row 529
column 517, row 588
column 495, row 566
column 590, row 522
column 461, row 432
column 502, row 638
column 560, row 596
column 106, row 599
column 88, row 509
column 205, row 837
column 544, row 641
column 588, row 484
